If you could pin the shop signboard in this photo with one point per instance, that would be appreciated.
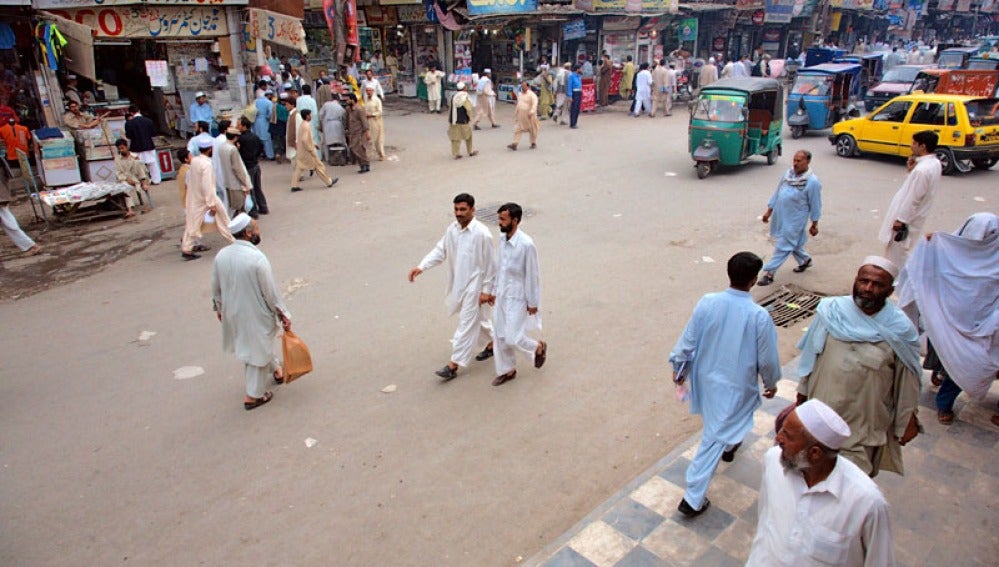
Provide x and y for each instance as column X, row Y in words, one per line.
column 779, row 11
column 628, row 6
column 688, row 29
column 380, row 16
column 804, row 8
column 53, row 4
column 748, row 4
column 277, row 28
column 150, row 21
column 484, row 7
column 412, row 14
column 575, row 29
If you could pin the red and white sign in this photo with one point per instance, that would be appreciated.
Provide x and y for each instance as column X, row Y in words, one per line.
column 151, row 21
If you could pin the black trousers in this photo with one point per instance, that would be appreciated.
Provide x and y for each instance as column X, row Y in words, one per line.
column 577, row 103
column 259, row 200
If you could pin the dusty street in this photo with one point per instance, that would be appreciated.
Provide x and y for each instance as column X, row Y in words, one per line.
column 108, row 458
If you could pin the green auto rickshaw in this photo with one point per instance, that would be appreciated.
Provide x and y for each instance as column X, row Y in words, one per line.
column 734, row 119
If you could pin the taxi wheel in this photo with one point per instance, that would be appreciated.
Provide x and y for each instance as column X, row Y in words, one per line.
column 703, row 169
column 984, row 163
column 846, row 146
column 946, row 160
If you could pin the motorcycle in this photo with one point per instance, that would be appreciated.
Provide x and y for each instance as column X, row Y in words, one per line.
column 683, row 92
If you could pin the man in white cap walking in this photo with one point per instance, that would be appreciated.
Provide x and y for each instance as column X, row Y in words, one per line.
column 459, row 118
column 485, row 105
column 861, row 357
column 199, row 200
column 249, row 307
column 815, row 507
column 728, row 344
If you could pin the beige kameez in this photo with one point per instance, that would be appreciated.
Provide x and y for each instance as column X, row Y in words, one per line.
column 375, row 126
column 198, row 189
column 873, row 392
column 526, row 117
column 306, row 156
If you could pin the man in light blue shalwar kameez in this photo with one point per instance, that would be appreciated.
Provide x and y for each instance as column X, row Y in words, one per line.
column 728, row 341
column 798, row 198
column 262, row 123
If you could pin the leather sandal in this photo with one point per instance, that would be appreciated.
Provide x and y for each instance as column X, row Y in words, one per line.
column 503, row 379
column 257, row 402
column 803, row 267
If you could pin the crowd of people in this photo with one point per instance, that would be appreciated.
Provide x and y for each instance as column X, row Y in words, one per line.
column 859, row 373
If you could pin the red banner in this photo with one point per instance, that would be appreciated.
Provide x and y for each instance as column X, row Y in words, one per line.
column 350, row 20
column 330, row 12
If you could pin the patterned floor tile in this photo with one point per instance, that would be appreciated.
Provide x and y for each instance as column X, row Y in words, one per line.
column 737, row 538
column 676, row 543
column 659, row 495
column 676, row 472
column 730, row 495
column 601, row 544
column 632, row 519
column 709, row 524
column 566, row 557
column 717, row 558
column 641, row 557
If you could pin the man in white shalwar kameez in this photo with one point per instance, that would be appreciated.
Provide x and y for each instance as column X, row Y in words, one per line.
column 516, row 297
column 728, row 342
column 903, row 223
column 200, row 198
column 249, row 307
column 817, row 508
column 468, row 245
column 949, row 286
column 643, row 91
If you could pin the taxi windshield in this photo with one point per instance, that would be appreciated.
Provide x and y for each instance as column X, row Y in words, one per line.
column 812, row 84
column 719, row 108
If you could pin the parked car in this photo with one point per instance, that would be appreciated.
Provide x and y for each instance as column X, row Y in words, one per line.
column 896, row 81
column 968, row 128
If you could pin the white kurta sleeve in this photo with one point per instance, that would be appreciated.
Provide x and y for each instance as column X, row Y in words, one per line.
column 435, row 256
column 265, row 280
column 876, row 537
column 532, row 277
column 216, row 289
column 488, row 263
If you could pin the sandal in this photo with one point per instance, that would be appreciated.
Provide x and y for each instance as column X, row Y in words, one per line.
column 945, row 417
column 767, row 279
column 803, row 267
column 936, row 379
column 257, row 402
column 540, row 355
column 279, row 379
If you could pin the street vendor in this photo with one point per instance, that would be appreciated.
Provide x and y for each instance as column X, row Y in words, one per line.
column 201, row 109
column 128, row 169
column 76, row 119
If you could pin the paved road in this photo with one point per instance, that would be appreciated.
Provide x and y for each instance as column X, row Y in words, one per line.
column 107, row 457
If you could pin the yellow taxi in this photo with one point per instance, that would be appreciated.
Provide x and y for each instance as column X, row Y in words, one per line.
column 968, row 128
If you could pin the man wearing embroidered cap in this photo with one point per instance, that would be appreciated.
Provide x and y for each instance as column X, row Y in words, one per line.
column 816, row 507
column 249, row 307
column 861, row 357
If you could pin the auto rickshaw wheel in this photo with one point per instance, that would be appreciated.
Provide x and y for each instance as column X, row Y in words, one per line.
column 797, row 131
column 846, row 146
column 946, row 160
column 984, row 163
column 772, row 156
column 703, row 169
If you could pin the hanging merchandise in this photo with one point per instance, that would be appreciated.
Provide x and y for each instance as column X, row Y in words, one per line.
column 51, row 42
column 7, row 39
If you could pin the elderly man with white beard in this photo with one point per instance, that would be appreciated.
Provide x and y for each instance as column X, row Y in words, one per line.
column 816, row 507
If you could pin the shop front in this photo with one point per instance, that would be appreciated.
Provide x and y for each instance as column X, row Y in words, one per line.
column 22, row 95
column 379, row 36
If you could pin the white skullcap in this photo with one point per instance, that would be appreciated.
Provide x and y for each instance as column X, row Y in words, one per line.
column 711, row 59
column 283, row 96
column 822, row 422
column 487, row 70
column 199, row 94
column 461, row 85
column 883, row 263
column 205, row 142
column 240, row 222
column 70, row 76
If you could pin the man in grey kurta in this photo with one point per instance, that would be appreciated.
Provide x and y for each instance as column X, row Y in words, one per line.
column 249, row 306
column 861, row 357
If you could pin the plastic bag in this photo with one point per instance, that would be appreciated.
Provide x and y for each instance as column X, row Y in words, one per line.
column 297, row 359
column 248, row 202
column 209, row 218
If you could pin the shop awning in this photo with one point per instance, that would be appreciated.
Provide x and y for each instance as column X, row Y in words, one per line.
column 79, row 50
column 277, row 28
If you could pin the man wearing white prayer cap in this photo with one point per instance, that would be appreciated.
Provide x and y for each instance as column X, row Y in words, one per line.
column 249, row 307
column 815, row 506
column 202, row 204
column 861, row 357
column 459, row 122
column 485, row 101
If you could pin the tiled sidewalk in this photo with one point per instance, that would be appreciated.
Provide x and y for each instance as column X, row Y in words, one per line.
column 944, row 510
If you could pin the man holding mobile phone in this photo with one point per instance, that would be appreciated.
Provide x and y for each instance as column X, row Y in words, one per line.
column 911, row 205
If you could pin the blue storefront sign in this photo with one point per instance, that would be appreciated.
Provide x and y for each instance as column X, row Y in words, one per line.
column 482, row 7
column 575, row 29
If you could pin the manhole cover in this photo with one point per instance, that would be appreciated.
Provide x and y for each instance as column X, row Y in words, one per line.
column 488, row 212
column 790, row 304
